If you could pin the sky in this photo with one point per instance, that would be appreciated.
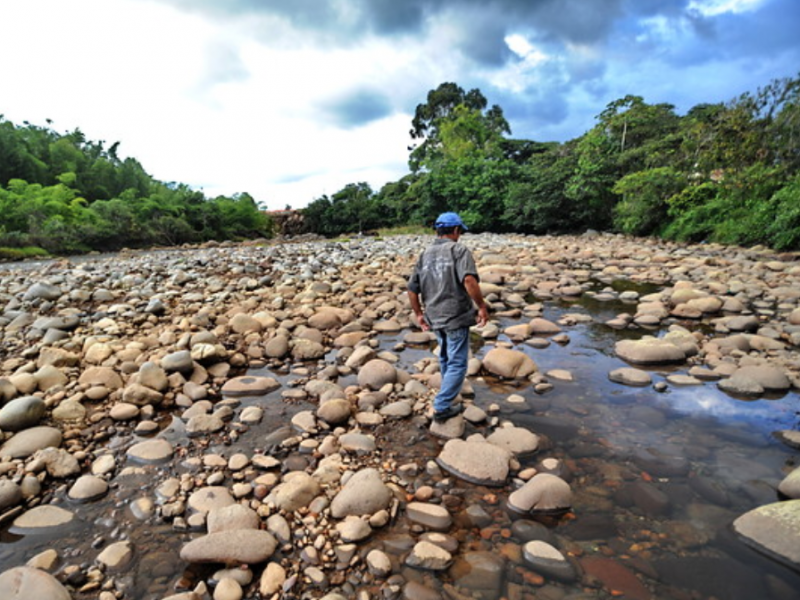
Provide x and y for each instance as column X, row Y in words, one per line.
column 292, row 99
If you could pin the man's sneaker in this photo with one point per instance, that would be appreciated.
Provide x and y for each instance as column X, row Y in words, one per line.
column 448, row 413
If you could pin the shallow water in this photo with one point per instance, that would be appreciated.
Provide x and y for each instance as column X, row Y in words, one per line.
column 677, row 540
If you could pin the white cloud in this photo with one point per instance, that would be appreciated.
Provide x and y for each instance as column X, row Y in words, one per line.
column 712, row 8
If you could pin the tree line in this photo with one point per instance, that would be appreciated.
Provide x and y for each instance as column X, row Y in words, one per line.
column 724, row 172
column 66, row 194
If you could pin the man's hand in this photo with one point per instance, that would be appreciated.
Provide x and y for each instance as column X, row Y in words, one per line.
column 483, row 315
column 416, row 306
column 423, row 324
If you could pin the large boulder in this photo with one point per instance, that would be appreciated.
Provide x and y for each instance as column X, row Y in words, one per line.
column 27, row 583
column 363, row 494
column 21, row 413
column 376, row 373
column 773, row 529
column 509, row 364
column 478, row 462
column 542, row 493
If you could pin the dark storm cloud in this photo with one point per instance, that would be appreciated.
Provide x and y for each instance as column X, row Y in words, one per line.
column 357, row 108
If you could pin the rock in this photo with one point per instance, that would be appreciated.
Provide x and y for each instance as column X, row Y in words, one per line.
column 480, row 571
column 21, row 413
column 101, row 376
column 540, row 326
column 767, row 376
column 376, row 373
column 250, row 385
column 180, row 362
column 228, row 589
column 141, row 395
column 203, row 424
column 432, row 516
column 740, row 385
column 335, row 412
column 789, row 437
column 353, row 529
column 297, row 491
column 649, row 351
column 475, row 461
column 379, row 564
column 58, row 462
column 87, row 488
column 357, row 443
column 27, row 583
column 510, row 364
column 10, row 494
column 363, row 494
column 428, row 556
column 42, row 518
column 151, row 452
column 210, row 498
column 790, row 486
column 517, row 440
column 123, row 411
column 542, row 493
column 615, row 577
column 630, row 376
column 116, row 556
column 245, row 546
column 154, row 377
column 547, row 560
column 69, row 410
column 42, row 291
column 241, row 323
column 272, row 579
column 27, row 442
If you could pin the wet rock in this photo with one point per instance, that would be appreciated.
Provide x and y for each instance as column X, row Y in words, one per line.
column 480, row 571
column 21, row 413
column 649, row 499
column 649, row 351
column 615, row 576
column 27, row 583
column 789, row 437
column 773, row 529
column 432, row 516
column 335, row 411
column 116, row 556
column 548, row 560
column 378, row 563
column 718, row 577
column 528, row 531
column 428, row 556
column 250, row 385
column 510, row 364
column 42, row 518
column 660, row 464
column 151, row 452
column 87, row 488
column 542, row 493
column 204, row 424
column 790, row 485
column 768, row 377
column 517, row 440
column 210, row 498
column 475, row 461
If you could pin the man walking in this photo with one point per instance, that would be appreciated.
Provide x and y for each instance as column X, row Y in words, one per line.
column 446, row 279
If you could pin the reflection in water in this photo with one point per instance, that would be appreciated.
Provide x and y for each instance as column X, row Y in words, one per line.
column 658, row 478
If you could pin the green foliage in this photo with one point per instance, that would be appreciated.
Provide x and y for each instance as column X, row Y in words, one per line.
column 22, row 253
column 67, row 195
column 645, row 195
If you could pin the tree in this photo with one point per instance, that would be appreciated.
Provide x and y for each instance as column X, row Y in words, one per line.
column 439, row 109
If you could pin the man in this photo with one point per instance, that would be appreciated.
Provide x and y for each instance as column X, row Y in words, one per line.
column 446, row 279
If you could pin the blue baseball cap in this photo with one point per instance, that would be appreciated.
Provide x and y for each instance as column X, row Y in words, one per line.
column 450, row 219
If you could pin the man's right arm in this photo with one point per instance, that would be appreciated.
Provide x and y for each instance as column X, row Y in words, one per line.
column 416, row 306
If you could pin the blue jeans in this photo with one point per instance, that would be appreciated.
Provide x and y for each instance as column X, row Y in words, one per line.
column 453, row 357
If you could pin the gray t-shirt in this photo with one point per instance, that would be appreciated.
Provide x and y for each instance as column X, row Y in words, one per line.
column 439, row 278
